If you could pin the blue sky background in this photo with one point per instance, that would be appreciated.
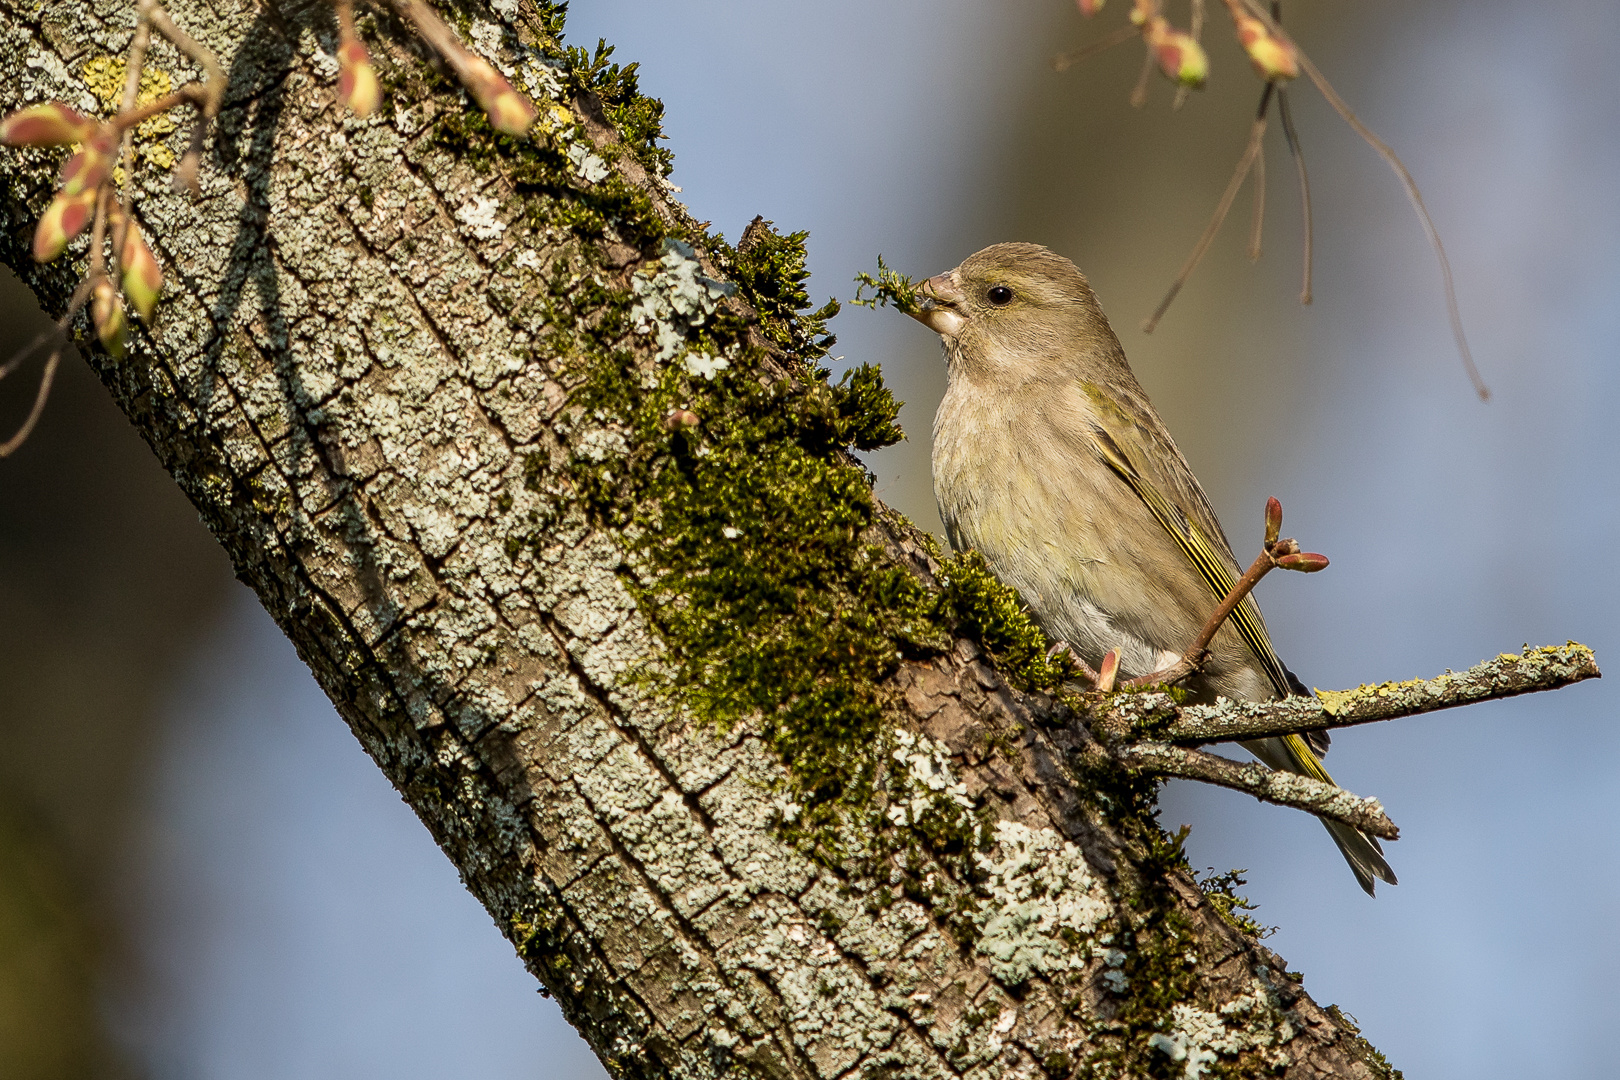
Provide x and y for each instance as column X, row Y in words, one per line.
column 299, row 921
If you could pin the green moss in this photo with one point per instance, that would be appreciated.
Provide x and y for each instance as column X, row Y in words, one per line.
column 771, row 269
column 638, row 118
column 1361, row 1049
column 996, row 616
column 1221, row 892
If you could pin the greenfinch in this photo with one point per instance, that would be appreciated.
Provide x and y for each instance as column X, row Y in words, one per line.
column 1049, row 460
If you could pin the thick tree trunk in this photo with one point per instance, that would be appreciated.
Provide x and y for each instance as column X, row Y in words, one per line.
column 623, row 623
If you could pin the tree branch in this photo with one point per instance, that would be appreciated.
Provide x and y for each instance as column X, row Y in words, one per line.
column 1546, row 668
column 1282, row 788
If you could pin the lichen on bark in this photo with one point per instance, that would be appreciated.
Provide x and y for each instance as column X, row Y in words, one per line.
column 549, row 490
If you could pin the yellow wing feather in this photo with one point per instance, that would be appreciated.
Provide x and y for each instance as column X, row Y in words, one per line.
column 1196, row 546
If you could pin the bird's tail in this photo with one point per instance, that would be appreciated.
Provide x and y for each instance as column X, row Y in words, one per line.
column 1290, row 753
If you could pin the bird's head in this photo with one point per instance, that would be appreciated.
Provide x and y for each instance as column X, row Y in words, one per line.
column 1017, row 313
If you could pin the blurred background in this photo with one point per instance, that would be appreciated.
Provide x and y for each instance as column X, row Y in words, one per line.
column 202, row 876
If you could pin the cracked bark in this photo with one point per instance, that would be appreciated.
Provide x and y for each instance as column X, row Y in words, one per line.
column 343, row 382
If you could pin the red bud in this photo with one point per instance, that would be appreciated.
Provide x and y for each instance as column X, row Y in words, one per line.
column 1088, row 8
column 1273, row 521
column 143, row 279
column 50, row 124
column 1307, row 562
column 1273, row 56
column 1108, row 670
column 93, row 163
column 108, row 314
column 357, row 79
column 508, row 110
column 1182, row 59
column 63, row 219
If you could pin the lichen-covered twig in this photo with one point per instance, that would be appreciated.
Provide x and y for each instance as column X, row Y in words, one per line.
column 1283, row 788
column 1508, row 675
column 1142, row 731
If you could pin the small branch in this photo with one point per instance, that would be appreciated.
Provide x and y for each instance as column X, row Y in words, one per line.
column 1282, row 788
column 75, row 303
column 1250, row 152
column 1505, row 676
column 1193, row 659
column 1064, row 61
column 212, row 95
column 1195, row 30
column 1412, row 193
column 1257, row 224
column 1275, row 553
column 1297, row 151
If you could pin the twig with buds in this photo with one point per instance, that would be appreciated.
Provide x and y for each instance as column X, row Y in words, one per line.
column 1277, row 60
column 1276, row 553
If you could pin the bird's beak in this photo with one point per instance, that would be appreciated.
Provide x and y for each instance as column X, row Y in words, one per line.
column 944, row 304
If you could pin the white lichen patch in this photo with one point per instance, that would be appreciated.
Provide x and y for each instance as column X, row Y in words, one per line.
column 704, row 365
column 673, row 296
column 587, row 165
column 1043, row 900
column 926, row 778
column 1196, row 1039
column 479, row 215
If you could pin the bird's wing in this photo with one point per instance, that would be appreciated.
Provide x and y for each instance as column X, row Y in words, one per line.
column 1197, row 546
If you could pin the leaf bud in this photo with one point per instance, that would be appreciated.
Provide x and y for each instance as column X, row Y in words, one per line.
column 107, row 312
column 1273, row 521
column 1108, row 671
column 86, row 169
column 1306, row 562
column 1274, row 57
column 50, row 124
column 62, row 220
column 143, row 278
column 508, row 110
column 1182, row 59
column 358, row 87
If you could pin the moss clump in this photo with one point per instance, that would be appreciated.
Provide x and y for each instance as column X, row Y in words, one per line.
column 1361, row 1049
column 771, row 270
column 995, row 615
column 638, row 118
column 1221, row 892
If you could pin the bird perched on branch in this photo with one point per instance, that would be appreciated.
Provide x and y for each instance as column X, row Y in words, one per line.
column 1050, row 461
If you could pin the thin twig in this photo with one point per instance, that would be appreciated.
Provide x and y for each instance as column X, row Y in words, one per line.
column 75, row 303
column 212, row 96
column 1412, row 193
column 1064, row 61
column 1256, row 132
column 1297, row 151
column 1257, row 223
column 1193, row 659
column 1140, row 92
column 138, row 44
column 1282, row 788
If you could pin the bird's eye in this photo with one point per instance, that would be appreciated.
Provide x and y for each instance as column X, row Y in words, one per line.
column 1000, row 295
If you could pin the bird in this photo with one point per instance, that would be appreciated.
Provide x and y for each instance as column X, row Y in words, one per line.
column 1049, row 460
